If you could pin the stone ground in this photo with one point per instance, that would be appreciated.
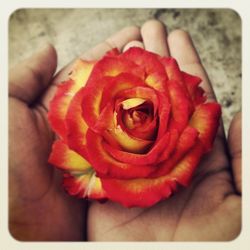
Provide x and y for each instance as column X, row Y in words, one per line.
column 216, row 34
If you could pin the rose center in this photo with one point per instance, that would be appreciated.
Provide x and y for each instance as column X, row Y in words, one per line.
column 134, row 116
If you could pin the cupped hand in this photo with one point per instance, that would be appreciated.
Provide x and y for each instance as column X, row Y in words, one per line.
column 39, row 209
column 210, row 208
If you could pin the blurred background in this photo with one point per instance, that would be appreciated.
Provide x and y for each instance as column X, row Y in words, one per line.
column 216, row 34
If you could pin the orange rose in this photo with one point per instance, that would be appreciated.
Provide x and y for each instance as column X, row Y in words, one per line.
column 131, row 127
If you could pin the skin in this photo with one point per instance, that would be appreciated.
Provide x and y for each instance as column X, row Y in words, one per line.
column 39, row 209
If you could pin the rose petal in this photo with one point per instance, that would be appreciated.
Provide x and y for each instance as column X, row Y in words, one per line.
column 81, row 179
column 166, row 144
column 129, row 143
column 206, row 120
column 66, row 91
column 147, row 60
column 59, row 107
column 80, row 72
column 181, row 107
column 113, row 66
column 184, row 170
column 155, row 72
column 164, row 113
column 145, row 192
column 186, row 141
column 105, row 165
column 138, row 192
column 157, row 81
column 196, row 93
column 139, row 159
column 132, row 102
column 65, row 158
column 146, row 131
column 139, row 92
column 117, row 84
column 172, row 69
column 76, row 125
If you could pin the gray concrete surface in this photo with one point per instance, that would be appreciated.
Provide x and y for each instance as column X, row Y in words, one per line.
column 216, row 34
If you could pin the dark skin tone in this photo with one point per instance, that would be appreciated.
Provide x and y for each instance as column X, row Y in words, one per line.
column 209, row 209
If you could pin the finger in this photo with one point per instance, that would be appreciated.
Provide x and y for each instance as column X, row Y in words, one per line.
column 181, row 47
column 133, row 44
column 28, row 79
column 117, row 40
column 154, row 35
column 235, row 148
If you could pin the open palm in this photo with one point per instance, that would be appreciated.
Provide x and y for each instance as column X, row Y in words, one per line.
column 209, row 209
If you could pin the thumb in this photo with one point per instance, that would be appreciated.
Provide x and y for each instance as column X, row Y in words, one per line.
column 234, row 140
column 28, row 79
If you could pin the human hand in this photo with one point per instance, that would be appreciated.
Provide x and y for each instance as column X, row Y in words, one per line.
column 39, row 209
column 210, row 208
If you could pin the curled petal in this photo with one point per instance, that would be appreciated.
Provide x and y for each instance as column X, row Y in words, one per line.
column 80, row 73
column 155, row 72
column 185, row 142
column 66, row 91
column 146, row 192
column 65, row 158
column 196, row 93
column 165, row 144
column 139, row 92
column 138, row 159
column 139, row 192
column 59, row 107
column 146, row 131
column 205, row 120
column 181, row 107
column 164, row 113
column 80, row 179
column 129, row 143
column 184, row 170
column 132, row 102
column 115, row 85
column 172, row 69
column 76, row 125
column 157, row 81
column 106, row 166
column 114, row 66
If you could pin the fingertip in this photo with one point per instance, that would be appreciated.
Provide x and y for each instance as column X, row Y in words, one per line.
column 151, row 25
column 29, row 78
column 182, row 48
column 48, row 55
column 154, row 35
column 51, row 51
column 133, row 30
column 179, row 33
